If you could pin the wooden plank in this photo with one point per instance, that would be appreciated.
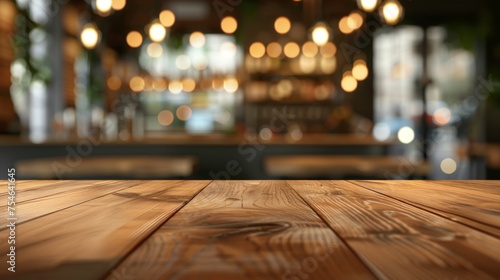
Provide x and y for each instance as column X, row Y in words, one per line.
column 27, row 190
column 87, row 240
column 23, row 185
column 37, row 202
column 398, row 240
column 476, row 204
column 244, row 230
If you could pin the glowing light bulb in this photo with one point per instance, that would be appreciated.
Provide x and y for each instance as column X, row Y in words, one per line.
column 157, row 32
column 90, row 36
column 103, row 6
column 320, row 34
column 391, row 11
column 406, row 135
column 368, row 5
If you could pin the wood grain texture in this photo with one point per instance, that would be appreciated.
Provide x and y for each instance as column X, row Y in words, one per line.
column 474, row 204
column 85, row 241
column 398, row 240
column 243, row 230
column 36, row 202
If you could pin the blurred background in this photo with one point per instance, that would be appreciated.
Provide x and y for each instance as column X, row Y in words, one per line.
column 250, row 89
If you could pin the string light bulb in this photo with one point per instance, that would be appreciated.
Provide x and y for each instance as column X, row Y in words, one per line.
column 321, row 33
column 157, row 31
column 391, row 11
column 90, row 36
column 368, row 5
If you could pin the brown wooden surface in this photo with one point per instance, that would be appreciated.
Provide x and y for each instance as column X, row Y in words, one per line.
column 244, row 230
column 476, row 205
column 87, row 240
column 399, row 240
column 255, row 230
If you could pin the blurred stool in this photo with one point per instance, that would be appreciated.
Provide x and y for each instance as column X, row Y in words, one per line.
column 107, row 167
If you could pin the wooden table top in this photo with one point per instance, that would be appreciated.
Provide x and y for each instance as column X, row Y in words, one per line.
column 254, row 230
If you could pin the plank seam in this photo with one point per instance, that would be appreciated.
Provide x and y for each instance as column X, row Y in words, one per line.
column 65, row 208
column 375, row 274
column 107, row 274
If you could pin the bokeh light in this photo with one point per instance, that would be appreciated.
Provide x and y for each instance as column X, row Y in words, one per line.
column 183, row 62
column 310, row 49
column 137, row 84
column 197, row 39
column 165, row 118
column 231, row 85
column 442, row 116
column 360, row 70
column 448, row 166
column 167, row 18
column 257, row 50
column 406, row 135
column 274, row 50
column 184, row 113
column 175, row 87
column 348, row 83
column 114, row 83
column 229, row 25
column 328, row 50
column 118, row 5
column 134, row 39
column 157, row 32
column 282, row 25
column 292, row 50
column 154, row 50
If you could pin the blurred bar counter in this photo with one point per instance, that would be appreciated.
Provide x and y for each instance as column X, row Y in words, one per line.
column 217, row 156
column 213, row 139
